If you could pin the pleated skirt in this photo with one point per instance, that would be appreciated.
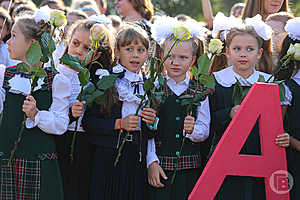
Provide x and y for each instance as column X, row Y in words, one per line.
column 126, row 181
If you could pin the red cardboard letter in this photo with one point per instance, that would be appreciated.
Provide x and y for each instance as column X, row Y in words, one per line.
column 261, row 102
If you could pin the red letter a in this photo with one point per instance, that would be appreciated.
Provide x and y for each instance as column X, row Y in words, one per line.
column 261, row 102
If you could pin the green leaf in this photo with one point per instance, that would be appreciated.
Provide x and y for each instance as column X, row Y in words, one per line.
column 198, row 97
column 245, row 92
column 148, row 85
column 261, row 79
column 71, row 61
column 45, row 38
column 237, row 96
column 23, row 67
column 185, row 102
column 87, row 57
column 88, row 90
column 203, row 64
column 45, row 54
column 84, row 77
column 197, row 104
column 281, row 91
column 152, row 66
column 140, row 96
column 207, row 81
column 34, row 53
column 194, row 71
column 107, row 82
column 100, row 99
column 38, row 71
column 187, row 96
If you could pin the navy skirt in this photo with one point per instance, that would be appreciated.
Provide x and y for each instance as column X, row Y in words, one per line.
column 126, row 181
column 76, row 175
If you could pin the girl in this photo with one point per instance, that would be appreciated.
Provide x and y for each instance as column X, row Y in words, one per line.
column 223, row 23
column 264, row 7
column 34, row 171
column 105, row 124
column 175, row 123
column 243, row 49
column 291, row 125
column 76, row 175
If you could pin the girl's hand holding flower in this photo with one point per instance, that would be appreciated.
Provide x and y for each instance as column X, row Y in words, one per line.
column 130, row 122
column 77, row 109
column 148, row 115
column 189, row 123
column 29, row 107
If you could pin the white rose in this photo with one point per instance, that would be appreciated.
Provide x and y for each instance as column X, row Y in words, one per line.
column 182, row 33
column 297, row 52
column 42, row 13
column 215, row 46
column 101, row 73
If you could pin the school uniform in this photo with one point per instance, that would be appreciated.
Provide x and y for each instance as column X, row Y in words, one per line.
column 34, row 172
column 169, row 139
column 291, row 126
column 221, row 103
column 76, row 174
column 127, row 180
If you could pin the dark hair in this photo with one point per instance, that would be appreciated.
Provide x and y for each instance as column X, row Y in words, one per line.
column 131, row 33
column 106, row 59
column 286, row 73
column 254, row 7
column 265, row 63
column 23, row 9
column 237, row 6
column 144, row 7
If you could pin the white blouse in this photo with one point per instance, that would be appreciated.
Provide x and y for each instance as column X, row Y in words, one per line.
column 73, row 77
column 126, row 92
column 202, row 123
column 288, row 93
column 53, row 121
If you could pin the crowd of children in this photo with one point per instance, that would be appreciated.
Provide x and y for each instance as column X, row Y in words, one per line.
column 56, row 146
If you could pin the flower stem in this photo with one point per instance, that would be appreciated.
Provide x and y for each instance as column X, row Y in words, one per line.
column 74, row 135
column 12, row 153
column 178, row 159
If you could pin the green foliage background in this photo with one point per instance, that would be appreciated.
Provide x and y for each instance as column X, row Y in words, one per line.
column 193, row 8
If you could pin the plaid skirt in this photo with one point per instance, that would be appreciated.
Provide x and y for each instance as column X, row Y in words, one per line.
column 26, row 179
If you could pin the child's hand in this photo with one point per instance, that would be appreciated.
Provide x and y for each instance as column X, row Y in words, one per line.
column 148, row 115
column 154, row 173
column 283, row 140
column 77, row 108
column 130, row 122
column 29, row 107
column 233, row 111
column 189, row 123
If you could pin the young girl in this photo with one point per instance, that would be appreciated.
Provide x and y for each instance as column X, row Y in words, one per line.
column 291, row 122
column 76, row 175
column 34, row 172
column 175, row 122
column 223, row 23
column 103, row 123
column 243, row 49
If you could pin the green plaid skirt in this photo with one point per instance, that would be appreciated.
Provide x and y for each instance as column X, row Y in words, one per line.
column 22, row 179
